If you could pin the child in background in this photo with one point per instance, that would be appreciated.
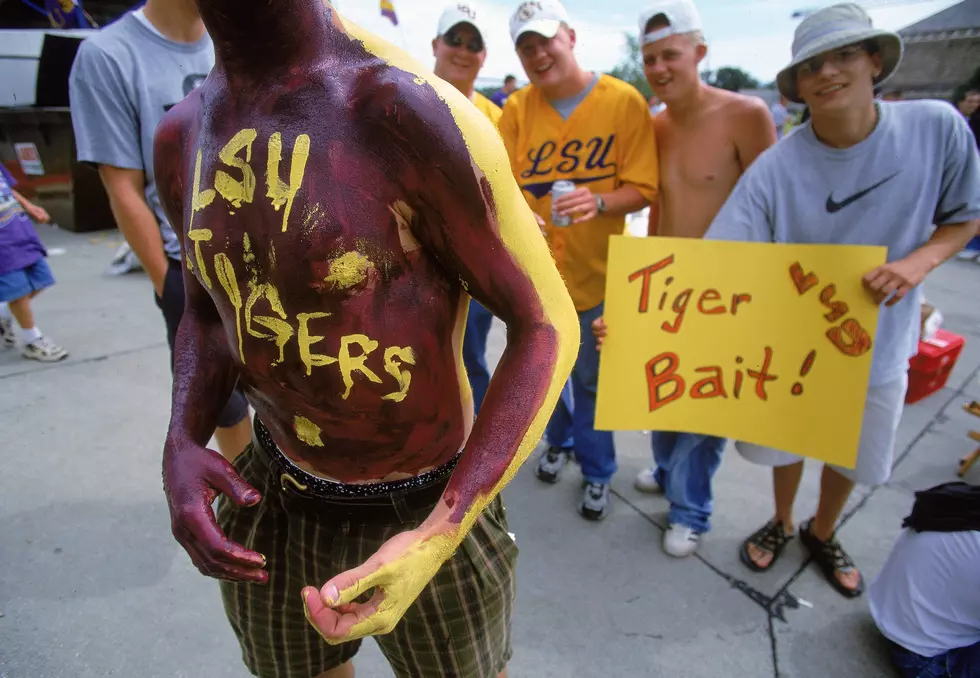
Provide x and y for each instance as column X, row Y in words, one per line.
column 23, row 272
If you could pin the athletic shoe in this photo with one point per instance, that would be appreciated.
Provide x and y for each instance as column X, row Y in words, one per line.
column 45, row 351
column 552, row 463
column 646, row 481
column 7, row 337
column 968, row 255
column 595, row 501
column 680, row 541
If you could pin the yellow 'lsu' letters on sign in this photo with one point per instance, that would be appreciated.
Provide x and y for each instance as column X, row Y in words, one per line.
column 349, row 363
column 237, row 192
column 199, row 200
column 279, row 191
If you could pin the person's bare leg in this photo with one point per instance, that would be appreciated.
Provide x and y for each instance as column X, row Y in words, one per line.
column 233, row 439
column 21, row 310
column 345, row 671
column 503, row 674
column 785, row 483
column 835, row 490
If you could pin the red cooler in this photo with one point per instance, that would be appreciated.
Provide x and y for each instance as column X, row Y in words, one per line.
column 930, row 367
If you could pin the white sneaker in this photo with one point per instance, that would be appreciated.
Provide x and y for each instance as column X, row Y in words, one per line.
column 45, row 351
column 7, row 337
column 680, row 541
column 646, row 482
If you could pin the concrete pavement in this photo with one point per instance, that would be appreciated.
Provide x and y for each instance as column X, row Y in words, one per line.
column 92, row 583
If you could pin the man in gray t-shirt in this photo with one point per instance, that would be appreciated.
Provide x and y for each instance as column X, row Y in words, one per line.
column 125, row 77
column 904, row 175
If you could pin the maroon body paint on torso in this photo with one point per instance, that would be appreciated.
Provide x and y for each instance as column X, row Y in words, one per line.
column 366, row 261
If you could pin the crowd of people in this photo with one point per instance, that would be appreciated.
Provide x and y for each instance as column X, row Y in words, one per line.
column 708, row 163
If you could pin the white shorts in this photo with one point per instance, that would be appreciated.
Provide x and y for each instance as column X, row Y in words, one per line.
column 876, row 448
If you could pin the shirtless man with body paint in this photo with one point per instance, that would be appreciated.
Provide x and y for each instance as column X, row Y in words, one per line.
column 337, row 205
column 706, row 138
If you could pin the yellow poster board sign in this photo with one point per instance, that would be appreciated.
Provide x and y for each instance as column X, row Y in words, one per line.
column 765, row 343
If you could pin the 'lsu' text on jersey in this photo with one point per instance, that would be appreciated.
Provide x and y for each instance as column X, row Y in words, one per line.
column 608, row 141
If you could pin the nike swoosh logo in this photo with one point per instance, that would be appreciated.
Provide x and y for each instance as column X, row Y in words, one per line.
column 833, row 206
column 542, row 189
column 946, row 217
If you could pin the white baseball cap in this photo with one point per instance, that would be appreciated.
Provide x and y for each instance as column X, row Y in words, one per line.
column 460, row 13
column 543, row 17
column 682, row 17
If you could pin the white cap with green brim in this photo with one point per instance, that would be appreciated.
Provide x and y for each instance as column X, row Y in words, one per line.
column 833, row 28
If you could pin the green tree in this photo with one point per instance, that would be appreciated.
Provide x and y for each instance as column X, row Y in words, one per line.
column 630, row 68
column 733, row 79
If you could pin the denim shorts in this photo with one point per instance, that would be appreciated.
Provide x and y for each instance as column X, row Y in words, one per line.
column 171, row 304
column 25, row 281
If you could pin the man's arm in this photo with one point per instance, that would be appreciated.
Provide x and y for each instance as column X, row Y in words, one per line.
column 473, row 218
column 204, row 376
column 957, row 215
column 754, row 131
column 107, row 134
column 35, row 212
column 136, row 220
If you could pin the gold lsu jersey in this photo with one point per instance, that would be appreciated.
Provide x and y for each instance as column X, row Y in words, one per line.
column 607, row 141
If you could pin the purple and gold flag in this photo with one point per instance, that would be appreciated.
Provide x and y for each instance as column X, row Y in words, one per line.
column 388, row 11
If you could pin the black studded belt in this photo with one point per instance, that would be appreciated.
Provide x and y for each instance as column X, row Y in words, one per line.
column 395, row 501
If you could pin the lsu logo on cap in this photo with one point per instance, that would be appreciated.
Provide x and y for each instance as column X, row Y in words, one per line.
column 527, row 10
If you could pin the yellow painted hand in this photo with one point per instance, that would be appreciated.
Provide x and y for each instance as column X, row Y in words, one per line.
column 398, row 572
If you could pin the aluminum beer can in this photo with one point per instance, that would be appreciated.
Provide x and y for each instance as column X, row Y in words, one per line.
column 558, row 189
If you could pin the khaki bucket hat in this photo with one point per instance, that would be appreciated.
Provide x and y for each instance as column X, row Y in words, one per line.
column 833, row 28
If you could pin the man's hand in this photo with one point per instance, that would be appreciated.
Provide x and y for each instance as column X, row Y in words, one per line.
column 900, row 277
column 599, row 329
column 192, row 478
column 398, row 573
column 581, row 201
column 38, row 214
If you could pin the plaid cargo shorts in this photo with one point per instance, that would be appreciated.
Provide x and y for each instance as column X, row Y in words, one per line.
column 458, row 627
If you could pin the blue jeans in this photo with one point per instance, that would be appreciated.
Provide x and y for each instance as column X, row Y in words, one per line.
column 686, row 463
column 478, row 323
column 974, row 245
column 572, row 426
column 960, row 663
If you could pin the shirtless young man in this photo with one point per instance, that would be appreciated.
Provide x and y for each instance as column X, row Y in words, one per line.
column 706, row 137
column 337, row 203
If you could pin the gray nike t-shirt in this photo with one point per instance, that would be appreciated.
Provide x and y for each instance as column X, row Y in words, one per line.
column 125, row 77
column 919, row 168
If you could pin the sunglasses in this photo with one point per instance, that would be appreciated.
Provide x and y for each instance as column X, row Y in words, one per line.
column 453, row 39
column 838, row 58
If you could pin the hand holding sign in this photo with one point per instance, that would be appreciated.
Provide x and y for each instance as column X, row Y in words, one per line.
column 761, row 342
